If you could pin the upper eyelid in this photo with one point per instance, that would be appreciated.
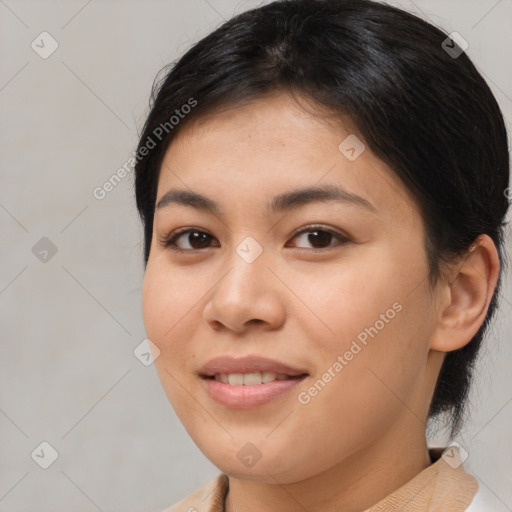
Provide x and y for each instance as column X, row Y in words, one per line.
column 342, row 237
column 168, row 240
column 313, row 227
column 319, row 227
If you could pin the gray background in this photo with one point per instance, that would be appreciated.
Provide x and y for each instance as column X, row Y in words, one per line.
column 70, row 323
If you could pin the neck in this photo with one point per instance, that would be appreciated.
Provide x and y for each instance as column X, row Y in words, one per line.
column 353, row 485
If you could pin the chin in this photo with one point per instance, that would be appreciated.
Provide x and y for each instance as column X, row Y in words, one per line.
column 277, row 467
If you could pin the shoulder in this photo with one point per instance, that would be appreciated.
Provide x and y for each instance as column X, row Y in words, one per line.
column 209, row 498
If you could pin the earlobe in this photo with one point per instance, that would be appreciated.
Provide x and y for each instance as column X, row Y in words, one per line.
column 469, row 291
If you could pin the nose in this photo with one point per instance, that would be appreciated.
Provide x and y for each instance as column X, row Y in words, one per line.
column 248, row 294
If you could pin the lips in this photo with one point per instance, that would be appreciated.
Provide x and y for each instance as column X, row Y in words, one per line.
column 248, row 365
column 245, row 383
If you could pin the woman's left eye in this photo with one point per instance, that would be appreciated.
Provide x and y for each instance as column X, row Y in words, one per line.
column 320, row 237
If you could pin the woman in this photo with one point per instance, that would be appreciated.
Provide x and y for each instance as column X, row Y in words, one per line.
column 323, row 187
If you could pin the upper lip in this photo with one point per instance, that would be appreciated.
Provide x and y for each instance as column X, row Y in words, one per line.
column 247, row 364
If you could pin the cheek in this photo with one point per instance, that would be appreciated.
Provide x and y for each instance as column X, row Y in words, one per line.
column 169, row 323
column 167, row 308
column 340, row 301
column 373, row 314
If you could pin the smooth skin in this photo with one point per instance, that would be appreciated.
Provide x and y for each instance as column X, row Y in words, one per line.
column 303, row 301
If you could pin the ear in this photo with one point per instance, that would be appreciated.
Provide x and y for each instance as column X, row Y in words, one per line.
column 465, row 296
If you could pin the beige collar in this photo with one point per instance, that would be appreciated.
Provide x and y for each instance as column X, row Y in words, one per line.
column 444, row 486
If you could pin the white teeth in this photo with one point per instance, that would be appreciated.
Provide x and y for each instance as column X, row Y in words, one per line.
column 249, row 379
column 268, row 377
column 236, row 379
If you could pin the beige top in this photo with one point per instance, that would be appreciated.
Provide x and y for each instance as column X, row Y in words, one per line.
column 444, row 486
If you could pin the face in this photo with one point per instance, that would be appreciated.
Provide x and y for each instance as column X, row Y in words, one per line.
column 316, row 303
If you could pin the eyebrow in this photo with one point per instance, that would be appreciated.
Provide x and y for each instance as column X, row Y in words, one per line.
column 280, row 203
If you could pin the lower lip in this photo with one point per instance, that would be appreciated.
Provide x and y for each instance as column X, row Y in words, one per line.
column 247, row 397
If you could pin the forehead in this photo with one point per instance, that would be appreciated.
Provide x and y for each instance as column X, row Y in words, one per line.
column 250, row 153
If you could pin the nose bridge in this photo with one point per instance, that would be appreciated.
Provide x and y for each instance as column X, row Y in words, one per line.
column 245, row 292
column 247, row 265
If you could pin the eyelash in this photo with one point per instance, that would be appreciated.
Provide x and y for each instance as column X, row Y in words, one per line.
column 169, row 242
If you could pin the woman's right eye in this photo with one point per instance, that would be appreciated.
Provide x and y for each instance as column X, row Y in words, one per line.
column 194, row 238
